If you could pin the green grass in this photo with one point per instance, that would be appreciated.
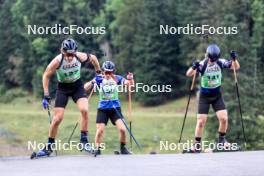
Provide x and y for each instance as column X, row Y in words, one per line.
column 24, row 120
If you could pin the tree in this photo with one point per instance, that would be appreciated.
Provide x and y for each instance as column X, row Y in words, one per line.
column 7, row 44
column 36, row 51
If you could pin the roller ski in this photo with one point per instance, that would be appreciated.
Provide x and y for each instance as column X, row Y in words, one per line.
column 42, row 153
column 86, row 147
column 196, row 148
column 222, row 145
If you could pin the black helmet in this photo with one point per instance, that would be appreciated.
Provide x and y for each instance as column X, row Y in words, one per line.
column 213, row 52
column 69, row 46
column 108, row 66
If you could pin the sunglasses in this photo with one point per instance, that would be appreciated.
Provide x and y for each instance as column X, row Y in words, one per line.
column 108, row 72
column 69, row 55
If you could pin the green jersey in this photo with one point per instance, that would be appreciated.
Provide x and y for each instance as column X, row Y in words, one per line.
column 68, row 72
column 108, row 90
column 212, row 76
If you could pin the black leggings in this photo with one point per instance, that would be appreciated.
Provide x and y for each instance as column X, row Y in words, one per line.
column 66, row 90
column 205, row 100
column 103, row 115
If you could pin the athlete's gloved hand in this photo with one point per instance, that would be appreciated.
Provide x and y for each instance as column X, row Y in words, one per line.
column 195, row 64
column 46, row 101
column 233, row 55
column 129, row 76
column 99, row 78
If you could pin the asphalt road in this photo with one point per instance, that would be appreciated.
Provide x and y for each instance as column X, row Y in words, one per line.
column 222, row 164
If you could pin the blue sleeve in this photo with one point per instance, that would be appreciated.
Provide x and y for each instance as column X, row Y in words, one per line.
column 200, row 68
column 120, row 79
column 95, row 81
column 225, row 63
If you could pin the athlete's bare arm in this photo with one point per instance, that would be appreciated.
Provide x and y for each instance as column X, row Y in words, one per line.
column 94, row 61
column 51, row 68
column 91, row 58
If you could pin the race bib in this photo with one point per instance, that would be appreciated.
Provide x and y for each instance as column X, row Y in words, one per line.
column 108, row 90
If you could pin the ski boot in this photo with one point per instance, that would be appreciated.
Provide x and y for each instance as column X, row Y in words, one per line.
column 85, row 145
column 222, row 144
column 124, row 151
column 97, row 152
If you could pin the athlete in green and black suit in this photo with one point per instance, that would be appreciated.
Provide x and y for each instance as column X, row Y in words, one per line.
column 67, row 66
column 210, row 70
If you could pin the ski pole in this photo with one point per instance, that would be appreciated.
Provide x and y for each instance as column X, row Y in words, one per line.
column 239, row 104
column 187, row 107
column 129, row 113
column 206, row 39
column 48, row 108
column 76, row 124
column 131, row 134
column 128, row 129
column 50, row 120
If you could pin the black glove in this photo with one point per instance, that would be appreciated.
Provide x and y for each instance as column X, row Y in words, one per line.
column 195, row 64
column 98, row 72
column 233, row 55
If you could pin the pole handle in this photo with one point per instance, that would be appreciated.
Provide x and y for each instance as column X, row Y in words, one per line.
column 234, row 71
column 193, row 80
